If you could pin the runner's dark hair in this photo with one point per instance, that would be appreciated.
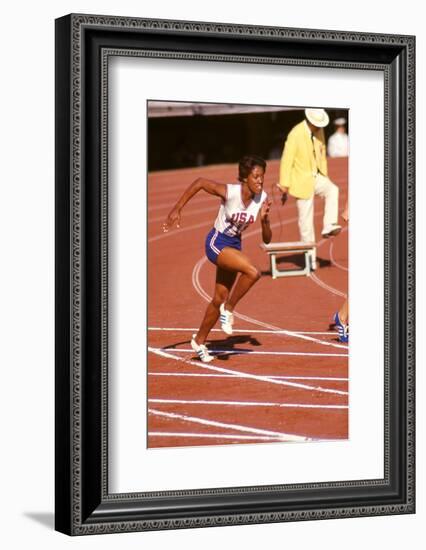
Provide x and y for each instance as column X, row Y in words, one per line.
column 247, row 163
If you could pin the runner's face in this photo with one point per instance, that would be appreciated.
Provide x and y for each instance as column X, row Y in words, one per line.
column 255, row 179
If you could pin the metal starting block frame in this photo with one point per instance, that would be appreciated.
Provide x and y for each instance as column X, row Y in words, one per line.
column 283, row 249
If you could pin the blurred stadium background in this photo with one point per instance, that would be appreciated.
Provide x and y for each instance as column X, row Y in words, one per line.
column 184, row 134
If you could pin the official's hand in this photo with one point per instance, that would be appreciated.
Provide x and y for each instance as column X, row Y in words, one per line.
column 284, row 194
column 172, row 218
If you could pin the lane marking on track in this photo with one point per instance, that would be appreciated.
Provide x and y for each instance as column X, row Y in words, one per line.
column 321, row 283
column 331, row 289
column 169, row 205
column 244, row 404
column 162, row 190
column 333, row 261
column 195, row 171
column 246, row 375
column 176, row 231
column 220, row 351
column 237, row 427
column 244, row 331
column 197, row 285
column 193, row 213
column 203, row 375
column 215, row 436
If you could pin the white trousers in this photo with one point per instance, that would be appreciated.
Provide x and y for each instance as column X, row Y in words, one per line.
column 326, row 189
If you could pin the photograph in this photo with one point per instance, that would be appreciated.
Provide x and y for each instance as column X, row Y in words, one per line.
column 248, row 264
column 210, row 275
column 234, row 266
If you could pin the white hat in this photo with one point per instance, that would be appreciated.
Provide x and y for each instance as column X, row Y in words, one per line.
column 317, row 117
column 341, row 121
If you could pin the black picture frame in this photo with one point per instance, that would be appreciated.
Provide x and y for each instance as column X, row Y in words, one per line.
column 83, row 46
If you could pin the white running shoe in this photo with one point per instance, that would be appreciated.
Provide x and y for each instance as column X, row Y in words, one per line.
column 201, row 350
column 331, row 230
column 226, row 319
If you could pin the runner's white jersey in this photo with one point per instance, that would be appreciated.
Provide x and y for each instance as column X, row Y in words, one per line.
column 233, row 217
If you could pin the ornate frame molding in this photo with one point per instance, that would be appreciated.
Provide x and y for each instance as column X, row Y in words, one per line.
column 88, row 508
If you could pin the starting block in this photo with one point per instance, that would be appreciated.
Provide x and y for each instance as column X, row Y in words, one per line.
column 283, row 249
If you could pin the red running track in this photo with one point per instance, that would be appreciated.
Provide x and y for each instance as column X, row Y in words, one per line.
column 282, row 375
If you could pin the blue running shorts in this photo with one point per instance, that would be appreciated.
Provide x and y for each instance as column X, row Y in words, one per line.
column 216, row 241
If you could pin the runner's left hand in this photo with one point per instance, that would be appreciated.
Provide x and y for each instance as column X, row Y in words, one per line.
column 264, row 211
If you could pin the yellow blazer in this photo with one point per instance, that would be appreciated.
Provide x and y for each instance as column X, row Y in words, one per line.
column 298, row 164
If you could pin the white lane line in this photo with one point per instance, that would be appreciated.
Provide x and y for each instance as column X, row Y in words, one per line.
column 237, row 427
column 245, row 404
column 175, row 231
column 325, row 286
column 333, row 261
column 203, row 375
column 196, row 171
column 193, row 212
column 197, row 285
column 220, row 351
column 161, row 190
column 154, row 205
column 246, row 375
column 279, row 223
column 215, row 436
column 321, row 283
column 244, row 331
column 182, row 229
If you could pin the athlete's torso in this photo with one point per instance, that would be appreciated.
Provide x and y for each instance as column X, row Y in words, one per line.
column 233, row 216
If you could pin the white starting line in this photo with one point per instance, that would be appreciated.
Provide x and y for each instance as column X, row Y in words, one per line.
column 221, row 351
column 203, row 375
column 215, row 436
column 246, row 375
column 243, row 331
column 245, row 404
column 280, row 436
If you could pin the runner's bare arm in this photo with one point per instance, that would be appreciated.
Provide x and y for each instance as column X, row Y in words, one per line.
column 210, row 186
column 264, row 220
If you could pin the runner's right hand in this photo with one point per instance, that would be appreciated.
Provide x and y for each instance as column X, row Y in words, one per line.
column 172, row 218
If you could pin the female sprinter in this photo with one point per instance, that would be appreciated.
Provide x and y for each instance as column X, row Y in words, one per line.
column 241, row 203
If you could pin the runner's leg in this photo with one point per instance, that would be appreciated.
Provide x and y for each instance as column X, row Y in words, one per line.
column 344, row 312
column 232, row 259
column 224, row 281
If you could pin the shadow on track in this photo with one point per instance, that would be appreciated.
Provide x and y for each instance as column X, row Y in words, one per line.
column 224, row 347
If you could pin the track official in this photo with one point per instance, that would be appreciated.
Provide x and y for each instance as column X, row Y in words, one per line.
column 304, row 174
